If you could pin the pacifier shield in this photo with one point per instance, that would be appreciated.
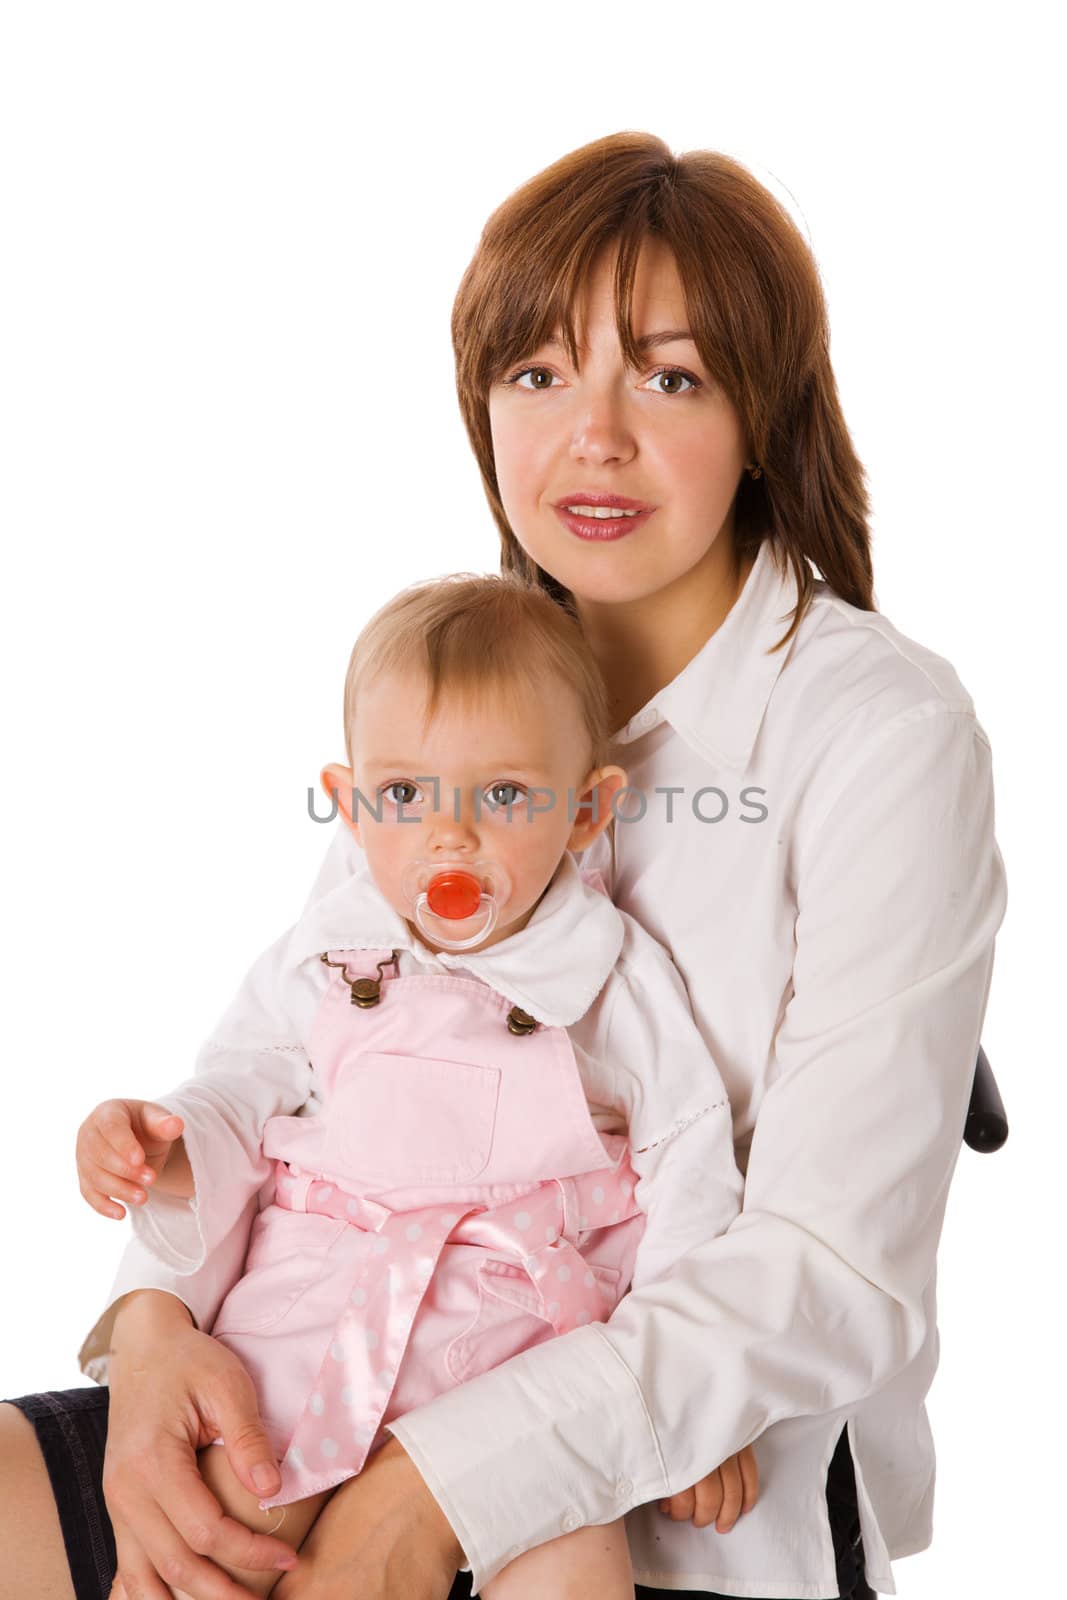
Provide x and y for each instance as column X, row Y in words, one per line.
column 454, row 895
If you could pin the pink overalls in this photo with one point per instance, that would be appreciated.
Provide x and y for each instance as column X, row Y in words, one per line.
column 452, row 1205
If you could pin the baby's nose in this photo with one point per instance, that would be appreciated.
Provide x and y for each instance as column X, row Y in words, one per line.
column 452, row 833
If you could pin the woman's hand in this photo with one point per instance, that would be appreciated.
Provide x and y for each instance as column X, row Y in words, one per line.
column 721, row 1497
column 174, row 1390
column 381, row 1536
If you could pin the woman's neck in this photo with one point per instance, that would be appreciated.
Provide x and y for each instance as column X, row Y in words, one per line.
column 641, row 645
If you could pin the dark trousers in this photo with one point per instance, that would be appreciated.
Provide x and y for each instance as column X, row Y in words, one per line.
column 71, row 1426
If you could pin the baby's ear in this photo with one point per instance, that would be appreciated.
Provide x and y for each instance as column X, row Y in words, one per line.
column 594, row 805
column 338, row 782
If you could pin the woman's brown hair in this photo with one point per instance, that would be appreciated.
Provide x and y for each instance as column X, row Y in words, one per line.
column 757, row 314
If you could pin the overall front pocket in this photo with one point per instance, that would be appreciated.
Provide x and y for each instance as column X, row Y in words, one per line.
column 409, row 1120
column 286, row 1256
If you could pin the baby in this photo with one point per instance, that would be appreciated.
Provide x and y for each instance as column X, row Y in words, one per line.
column 479, row 1097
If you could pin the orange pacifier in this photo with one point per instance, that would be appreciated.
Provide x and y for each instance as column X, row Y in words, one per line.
column 455, row 906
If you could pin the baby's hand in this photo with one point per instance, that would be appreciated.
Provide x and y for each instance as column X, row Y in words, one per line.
column 721, row 1497
column 121, row 1148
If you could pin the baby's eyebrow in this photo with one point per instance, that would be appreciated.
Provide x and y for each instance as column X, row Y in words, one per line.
column 500, row 768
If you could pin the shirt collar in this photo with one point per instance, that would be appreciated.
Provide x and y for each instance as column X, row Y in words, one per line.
column 716, row 703
column 554, row 968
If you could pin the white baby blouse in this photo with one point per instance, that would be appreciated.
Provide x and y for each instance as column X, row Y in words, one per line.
column 810, row 834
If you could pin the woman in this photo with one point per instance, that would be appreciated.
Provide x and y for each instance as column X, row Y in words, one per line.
column 642, row 361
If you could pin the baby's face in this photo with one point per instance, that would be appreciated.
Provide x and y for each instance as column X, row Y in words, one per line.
column 533, row 753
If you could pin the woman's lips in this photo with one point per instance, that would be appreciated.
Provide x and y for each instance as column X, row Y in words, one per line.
column 601, row 528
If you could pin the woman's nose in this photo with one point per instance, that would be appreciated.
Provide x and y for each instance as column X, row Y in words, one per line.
column 601, row 433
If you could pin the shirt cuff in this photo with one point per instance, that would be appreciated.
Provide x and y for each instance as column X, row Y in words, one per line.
column 167, row 1227
column 555, row 1439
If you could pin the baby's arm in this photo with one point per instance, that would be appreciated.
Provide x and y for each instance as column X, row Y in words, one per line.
column 204, row 1141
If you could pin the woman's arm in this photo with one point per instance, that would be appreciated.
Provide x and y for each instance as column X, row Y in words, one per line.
column 813, row 1298
column 676, row 1106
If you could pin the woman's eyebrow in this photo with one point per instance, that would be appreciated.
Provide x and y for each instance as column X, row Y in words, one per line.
column 647, row 341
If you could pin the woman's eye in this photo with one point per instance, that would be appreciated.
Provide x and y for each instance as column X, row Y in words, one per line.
column 495, row 798
column 536, row 375
column 403, row 800
column 675, row 378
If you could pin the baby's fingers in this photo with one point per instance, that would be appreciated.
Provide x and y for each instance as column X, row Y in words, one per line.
column 106, row 1140
column 749, row 1478
column 114, row 1125
column 98, row 1186
column 732, row 1495
column 679, row 1507
column 708, row 1495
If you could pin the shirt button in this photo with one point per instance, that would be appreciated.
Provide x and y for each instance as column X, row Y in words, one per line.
column 624, row 1488
column 570, row 1520
column 647, row 718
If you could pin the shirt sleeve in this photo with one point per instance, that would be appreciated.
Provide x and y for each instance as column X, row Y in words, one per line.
column 677, row 1112
column 251, row 1021
column 252, row 1068
column 813, row 1298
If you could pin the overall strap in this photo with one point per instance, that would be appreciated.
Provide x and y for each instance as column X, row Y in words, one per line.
column 365, row 991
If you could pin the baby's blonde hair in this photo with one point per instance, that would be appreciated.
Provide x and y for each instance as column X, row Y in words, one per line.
column 477, row 636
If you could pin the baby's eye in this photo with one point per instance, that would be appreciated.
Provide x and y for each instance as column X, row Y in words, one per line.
column 534, row 374
column 676, row 378
column 404, row 800
column 496, row 799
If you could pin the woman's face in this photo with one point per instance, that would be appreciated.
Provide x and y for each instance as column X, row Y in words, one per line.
column 664, row 440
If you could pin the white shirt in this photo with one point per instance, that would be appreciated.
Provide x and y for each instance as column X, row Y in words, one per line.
column 838, row 956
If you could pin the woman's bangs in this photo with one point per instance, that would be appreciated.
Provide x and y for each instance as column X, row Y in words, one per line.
column 543, row 305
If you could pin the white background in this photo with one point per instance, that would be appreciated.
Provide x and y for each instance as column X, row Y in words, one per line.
column 232, row 234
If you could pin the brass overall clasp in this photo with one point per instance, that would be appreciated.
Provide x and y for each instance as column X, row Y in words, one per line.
column 365, row 991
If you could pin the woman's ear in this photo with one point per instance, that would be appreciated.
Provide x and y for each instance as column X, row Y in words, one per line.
column 338, row 783
column 594, row 809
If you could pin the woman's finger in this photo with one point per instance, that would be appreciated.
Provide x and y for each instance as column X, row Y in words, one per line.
column 203, row 1527
column 233, row 1407
column 133, row 1565
column 166, row 1562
